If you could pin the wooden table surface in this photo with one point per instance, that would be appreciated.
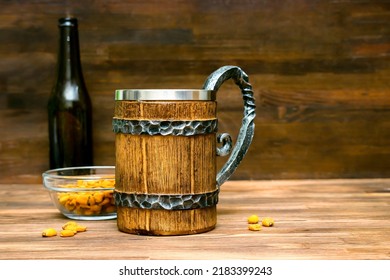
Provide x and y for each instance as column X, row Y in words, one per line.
column 314, row 219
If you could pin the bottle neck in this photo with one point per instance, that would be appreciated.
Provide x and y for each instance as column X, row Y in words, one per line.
column 69, row 64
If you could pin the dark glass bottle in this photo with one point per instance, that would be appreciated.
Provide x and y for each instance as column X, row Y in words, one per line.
column 69, row 106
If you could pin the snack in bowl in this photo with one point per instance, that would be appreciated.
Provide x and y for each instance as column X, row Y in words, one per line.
column 83, row 193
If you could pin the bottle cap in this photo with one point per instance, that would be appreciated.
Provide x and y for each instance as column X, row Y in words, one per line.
column 67, row 21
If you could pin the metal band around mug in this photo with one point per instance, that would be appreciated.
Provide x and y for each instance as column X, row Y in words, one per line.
column 166, row 201
column 155, row 127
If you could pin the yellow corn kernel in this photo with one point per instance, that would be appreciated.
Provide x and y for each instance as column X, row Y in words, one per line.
column 81, row 228
column 78, row 210
column 70, row 226
column 75, row 227
column 70, row 206
column 253, row 219
column 96, row 208
column 67, row 233
column 105, row 201
column 49, row 232
column 84, row 206
column 70, row 223
column 98, row 196
column 91, row 200
column 267, row 222
column 63, row 198
column 254, row 227
column 82, row 199
column 72, row 201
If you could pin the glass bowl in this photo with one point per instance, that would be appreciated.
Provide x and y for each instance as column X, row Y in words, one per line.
column 82, row 193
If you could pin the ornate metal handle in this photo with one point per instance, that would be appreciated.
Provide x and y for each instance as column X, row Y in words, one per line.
column 245, row 136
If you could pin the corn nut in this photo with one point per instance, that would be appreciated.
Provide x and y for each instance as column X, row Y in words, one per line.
column 67, row 233
column 89, row 202
column 254, row 227
column 49, row 232
column 267, row 222
column 73, row 226
column 253, row 219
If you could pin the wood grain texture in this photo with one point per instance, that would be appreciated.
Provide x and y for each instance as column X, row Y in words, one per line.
column 163, row 110
column 314, row 219
column 319, row 71
column 165, row 164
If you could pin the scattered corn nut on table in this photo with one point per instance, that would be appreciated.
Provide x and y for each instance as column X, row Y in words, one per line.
column 313, row 219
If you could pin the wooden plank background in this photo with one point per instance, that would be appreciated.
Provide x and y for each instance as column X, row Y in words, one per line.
column 320, row 72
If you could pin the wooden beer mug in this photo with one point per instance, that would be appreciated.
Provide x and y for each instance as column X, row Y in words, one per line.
column 166, row 148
